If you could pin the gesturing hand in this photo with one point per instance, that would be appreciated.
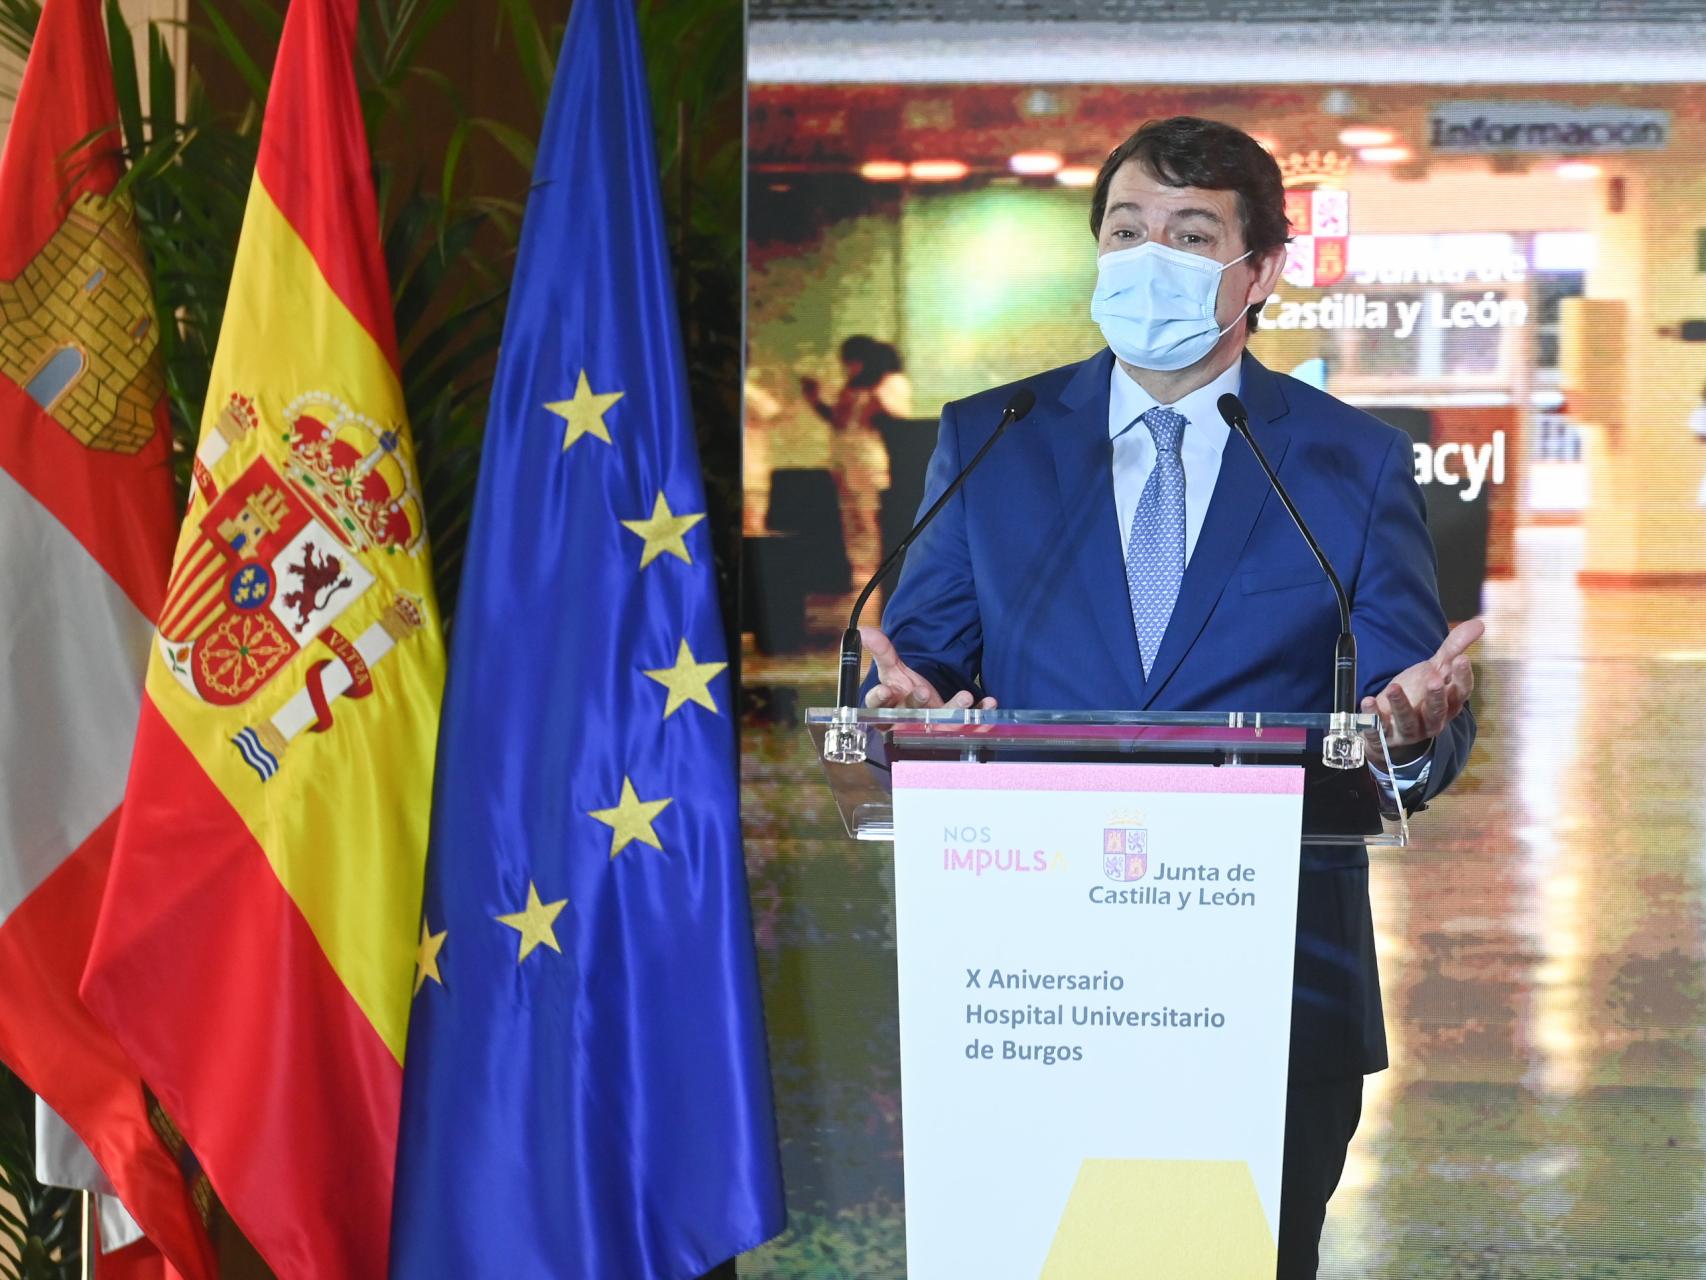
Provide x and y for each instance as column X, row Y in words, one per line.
column 898, row 685
column 1423, row 699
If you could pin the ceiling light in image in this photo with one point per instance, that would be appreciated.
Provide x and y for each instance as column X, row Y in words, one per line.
column 937, row 170
column 1040, row 102
column 1076, row 175
column 1035, row 164
column 882, row 170
column 1383, row 155
column 1579, row 171
column 1365, row 135
column 1340, row 102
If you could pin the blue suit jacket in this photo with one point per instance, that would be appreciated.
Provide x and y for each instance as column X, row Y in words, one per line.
column 1018, row 590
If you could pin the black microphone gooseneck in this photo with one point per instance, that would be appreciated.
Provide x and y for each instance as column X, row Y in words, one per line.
column 1342, row 748
column 852, row 651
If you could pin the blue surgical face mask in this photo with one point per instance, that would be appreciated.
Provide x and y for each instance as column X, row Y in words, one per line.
column 1155, row 305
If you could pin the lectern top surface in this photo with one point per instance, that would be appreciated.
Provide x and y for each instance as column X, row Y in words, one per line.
column 889, row 716
column 1339, row 807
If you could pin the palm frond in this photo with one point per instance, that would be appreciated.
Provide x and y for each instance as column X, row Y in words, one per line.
column 40, row 1227
column 18, row 20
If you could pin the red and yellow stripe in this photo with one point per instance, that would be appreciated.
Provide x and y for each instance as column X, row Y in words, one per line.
column 256, row 954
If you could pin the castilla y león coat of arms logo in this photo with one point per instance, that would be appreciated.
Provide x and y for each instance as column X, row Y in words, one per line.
column 280, row 554
column 1125, row 852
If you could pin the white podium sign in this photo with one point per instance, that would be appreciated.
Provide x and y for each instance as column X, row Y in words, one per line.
column 1095, row 1005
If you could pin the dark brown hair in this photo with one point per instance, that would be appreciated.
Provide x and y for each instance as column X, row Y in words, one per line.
column 1186, row 151
column 876, row 359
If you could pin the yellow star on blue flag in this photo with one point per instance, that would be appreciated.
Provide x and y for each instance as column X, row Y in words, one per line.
column 584, row 412
column 689, row 680
column 664, row 532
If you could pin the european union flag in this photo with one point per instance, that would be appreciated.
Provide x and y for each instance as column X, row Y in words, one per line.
column 585, row 1089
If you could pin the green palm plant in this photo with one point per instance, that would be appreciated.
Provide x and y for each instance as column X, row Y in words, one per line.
column 40, row 1227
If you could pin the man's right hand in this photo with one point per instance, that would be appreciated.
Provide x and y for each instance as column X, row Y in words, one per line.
column 898, row 685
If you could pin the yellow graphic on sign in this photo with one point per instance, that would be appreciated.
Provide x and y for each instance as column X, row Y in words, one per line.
column 1183, row 1219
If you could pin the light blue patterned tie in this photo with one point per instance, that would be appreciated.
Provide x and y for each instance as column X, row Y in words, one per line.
column 1155, row 556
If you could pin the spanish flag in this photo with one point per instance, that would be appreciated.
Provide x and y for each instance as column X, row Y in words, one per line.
column 256, row 948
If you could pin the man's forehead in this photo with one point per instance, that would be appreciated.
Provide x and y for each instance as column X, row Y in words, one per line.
column 1134, row 185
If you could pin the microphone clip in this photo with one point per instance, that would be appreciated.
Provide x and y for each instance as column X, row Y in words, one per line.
column 1343, row 747
column 844, row 739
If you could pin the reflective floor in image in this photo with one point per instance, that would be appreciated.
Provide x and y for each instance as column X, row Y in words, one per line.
column 1541, row 953
column 1543, row 957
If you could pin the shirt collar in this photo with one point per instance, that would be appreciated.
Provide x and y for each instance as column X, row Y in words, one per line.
column 1127, row 402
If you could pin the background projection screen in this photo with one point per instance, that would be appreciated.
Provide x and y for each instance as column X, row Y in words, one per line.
column 1500, row 218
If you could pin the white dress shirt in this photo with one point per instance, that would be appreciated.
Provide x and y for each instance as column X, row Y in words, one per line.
column 1200, row 447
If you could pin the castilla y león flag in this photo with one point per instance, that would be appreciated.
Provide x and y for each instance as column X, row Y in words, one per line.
column 86, row 520
column 255, row 952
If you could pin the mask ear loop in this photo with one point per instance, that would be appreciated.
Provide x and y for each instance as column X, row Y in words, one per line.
column 1223, row 269
column 1220, row 268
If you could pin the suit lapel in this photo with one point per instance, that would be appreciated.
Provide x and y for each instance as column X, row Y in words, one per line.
column 1239, row 494
column 1083, row 462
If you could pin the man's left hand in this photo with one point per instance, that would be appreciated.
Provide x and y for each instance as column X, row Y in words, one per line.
column 1421, row 700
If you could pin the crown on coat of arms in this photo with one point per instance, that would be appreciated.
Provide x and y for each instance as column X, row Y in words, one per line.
column 237, row 418
column 351, row 467
column 1314, row 168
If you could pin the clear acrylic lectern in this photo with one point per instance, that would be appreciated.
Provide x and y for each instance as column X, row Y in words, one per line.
column 1340, row 806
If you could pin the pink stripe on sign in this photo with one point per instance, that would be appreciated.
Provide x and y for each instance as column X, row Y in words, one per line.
column 1117, row 732
column 962, row 775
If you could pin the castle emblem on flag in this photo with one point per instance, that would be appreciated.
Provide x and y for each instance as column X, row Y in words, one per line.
column 281, row 554
column 77, row 328
column 1125, row 852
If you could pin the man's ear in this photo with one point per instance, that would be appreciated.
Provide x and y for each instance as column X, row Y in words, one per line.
column 1268, row 265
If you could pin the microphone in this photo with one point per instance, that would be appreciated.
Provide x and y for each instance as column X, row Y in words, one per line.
column 844, row 743
column 1342, row 748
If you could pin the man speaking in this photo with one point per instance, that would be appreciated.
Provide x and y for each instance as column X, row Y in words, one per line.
column 1120, row 549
